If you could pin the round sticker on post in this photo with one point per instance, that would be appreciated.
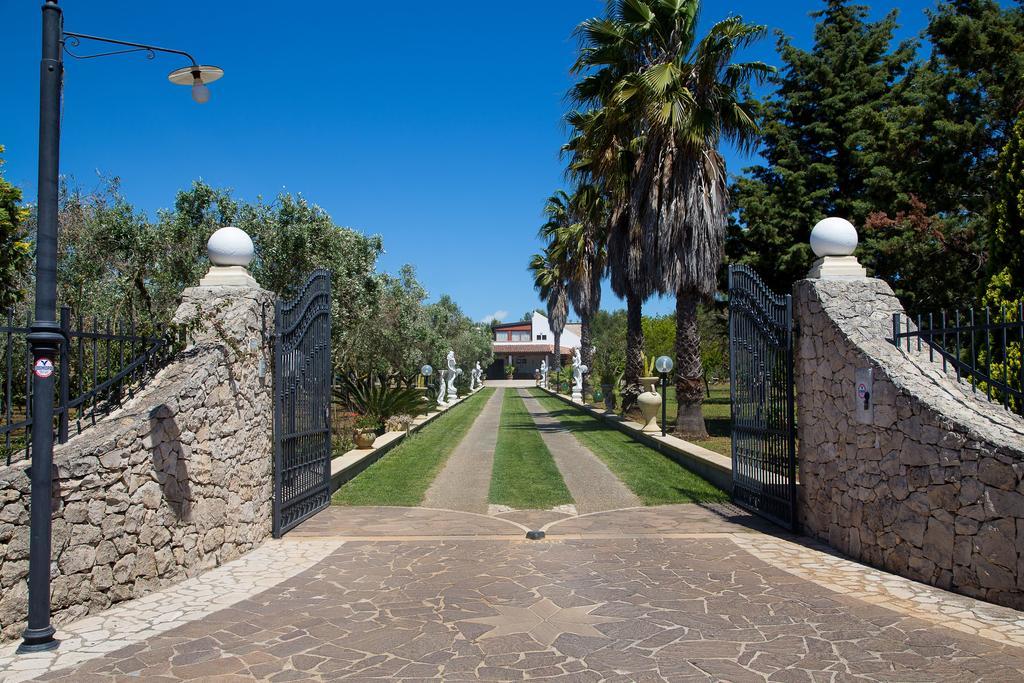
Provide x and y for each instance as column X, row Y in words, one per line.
column 43, row 368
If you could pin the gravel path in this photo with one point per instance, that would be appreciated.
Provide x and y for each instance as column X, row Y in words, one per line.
column 591, row 483
column 466, row 478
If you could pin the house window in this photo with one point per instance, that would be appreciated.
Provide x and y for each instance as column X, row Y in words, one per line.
column 520, row 336
column 520, row 361
column 541, row 337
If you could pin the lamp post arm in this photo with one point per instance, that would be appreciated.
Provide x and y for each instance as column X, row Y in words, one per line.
column 135, row 47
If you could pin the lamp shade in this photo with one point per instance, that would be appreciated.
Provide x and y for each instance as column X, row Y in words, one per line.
column 663, row 364
column 427, row 371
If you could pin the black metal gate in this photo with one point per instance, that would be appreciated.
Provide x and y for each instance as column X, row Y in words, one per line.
column 761, row 390
column 302, row 403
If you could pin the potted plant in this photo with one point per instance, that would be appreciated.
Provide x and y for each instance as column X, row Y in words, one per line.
column 510, row 371
column 609, row 380
column 650, row 375
column 366, row 431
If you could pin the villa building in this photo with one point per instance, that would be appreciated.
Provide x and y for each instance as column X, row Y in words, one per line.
column 524, row 344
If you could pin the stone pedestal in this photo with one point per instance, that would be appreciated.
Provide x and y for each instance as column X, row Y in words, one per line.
column 228, row 276
column 837, row 268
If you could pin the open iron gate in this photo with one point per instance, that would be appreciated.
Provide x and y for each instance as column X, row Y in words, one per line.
column 302, row 403
column 763, row 405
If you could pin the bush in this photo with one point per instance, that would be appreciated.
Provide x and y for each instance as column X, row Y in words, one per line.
column 377, row 399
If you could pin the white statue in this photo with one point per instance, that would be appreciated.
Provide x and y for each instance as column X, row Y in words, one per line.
column 452, row 373
column 578, row 368
column 442, row 387
column 477, row 377
column 544, row 373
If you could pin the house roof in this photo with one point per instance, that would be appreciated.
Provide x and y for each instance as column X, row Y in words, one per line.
column 512, row 347
column 523, row 324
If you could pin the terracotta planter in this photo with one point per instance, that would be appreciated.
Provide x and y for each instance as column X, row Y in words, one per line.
column 365, row 439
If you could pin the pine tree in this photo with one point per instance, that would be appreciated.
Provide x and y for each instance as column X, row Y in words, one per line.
column 964, row 99
column 828, row 135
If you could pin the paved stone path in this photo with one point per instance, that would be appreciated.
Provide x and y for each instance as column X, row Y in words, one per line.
column 591, row 483
column 465, row 481
column 676, row 593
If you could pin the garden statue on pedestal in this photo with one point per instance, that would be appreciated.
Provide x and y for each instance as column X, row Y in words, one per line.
column 452, row 373
column 578, row 368
column 544, row 373
column 478, row 374
column 442, row 388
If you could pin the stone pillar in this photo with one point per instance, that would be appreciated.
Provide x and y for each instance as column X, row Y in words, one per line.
column 177, row 480
column 901, row 466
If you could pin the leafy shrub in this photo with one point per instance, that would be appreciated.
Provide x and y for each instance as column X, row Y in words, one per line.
column 375, row 397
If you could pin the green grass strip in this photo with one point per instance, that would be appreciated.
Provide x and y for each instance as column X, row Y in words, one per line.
column 653, row 477
column 402, row 476
column 525, row 475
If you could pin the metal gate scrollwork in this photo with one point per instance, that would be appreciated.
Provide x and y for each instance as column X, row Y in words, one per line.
column 302, row 403
column 762, row 398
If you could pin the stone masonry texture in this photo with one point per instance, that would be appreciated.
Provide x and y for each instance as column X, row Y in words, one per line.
column 176, row 481
column 931, row 487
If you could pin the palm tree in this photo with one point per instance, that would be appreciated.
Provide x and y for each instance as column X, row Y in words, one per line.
column 602, row 153
column 664, row 102
column 549, row 279
column 689, row 97
column 577, row 240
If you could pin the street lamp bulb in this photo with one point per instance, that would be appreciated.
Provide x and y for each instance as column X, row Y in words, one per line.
column 427, row 371
column 663, row 364
column 200, row 93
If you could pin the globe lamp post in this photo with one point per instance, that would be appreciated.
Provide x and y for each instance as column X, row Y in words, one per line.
column 664, row 366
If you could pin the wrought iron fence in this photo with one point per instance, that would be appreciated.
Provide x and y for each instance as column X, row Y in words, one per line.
column 100, row 365
column 982, row 347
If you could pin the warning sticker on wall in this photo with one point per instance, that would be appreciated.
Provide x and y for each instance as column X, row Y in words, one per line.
column 43, row 368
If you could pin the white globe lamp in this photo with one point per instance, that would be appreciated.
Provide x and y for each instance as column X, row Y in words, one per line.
column 231, row 251
column 833, row 241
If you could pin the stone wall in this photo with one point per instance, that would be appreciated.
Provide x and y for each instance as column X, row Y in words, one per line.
column 176, row 481
column 930, row 486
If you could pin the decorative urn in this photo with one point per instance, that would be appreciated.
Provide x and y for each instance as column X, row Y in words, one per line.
column 650, row 403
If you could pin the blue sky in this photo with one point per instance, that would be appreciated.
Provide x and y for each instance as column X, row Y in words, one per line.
column 435, row 125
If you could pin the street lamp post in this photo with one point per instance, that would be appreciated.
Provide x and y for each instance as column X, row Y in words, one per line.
column 45, row 336
column 664, row 366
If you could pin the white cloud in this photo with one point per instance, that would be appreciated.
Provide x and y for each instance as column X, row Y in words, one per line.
column 498, row 316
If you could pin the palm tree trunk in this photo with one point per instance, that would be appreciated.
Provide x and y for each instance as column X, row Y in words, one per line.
column 558, row 361
column 689, row 392
column 634, row 351
column 585, row 356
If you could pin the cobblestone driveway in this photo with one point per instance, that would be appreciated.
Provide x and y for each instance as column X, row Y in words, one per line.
column 676, row 593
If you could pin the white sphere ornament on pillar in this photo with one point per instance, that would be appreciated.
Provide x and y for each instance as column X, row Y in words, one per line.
column 833, row 241
column 833, row 236
column 230, row 250
column 230, row 246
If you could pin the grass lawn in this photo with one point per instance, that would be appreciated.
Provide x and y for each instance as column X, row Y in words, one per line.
column 654, row 478
column 402, row 476
column 525, row 475
column 716, row 417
